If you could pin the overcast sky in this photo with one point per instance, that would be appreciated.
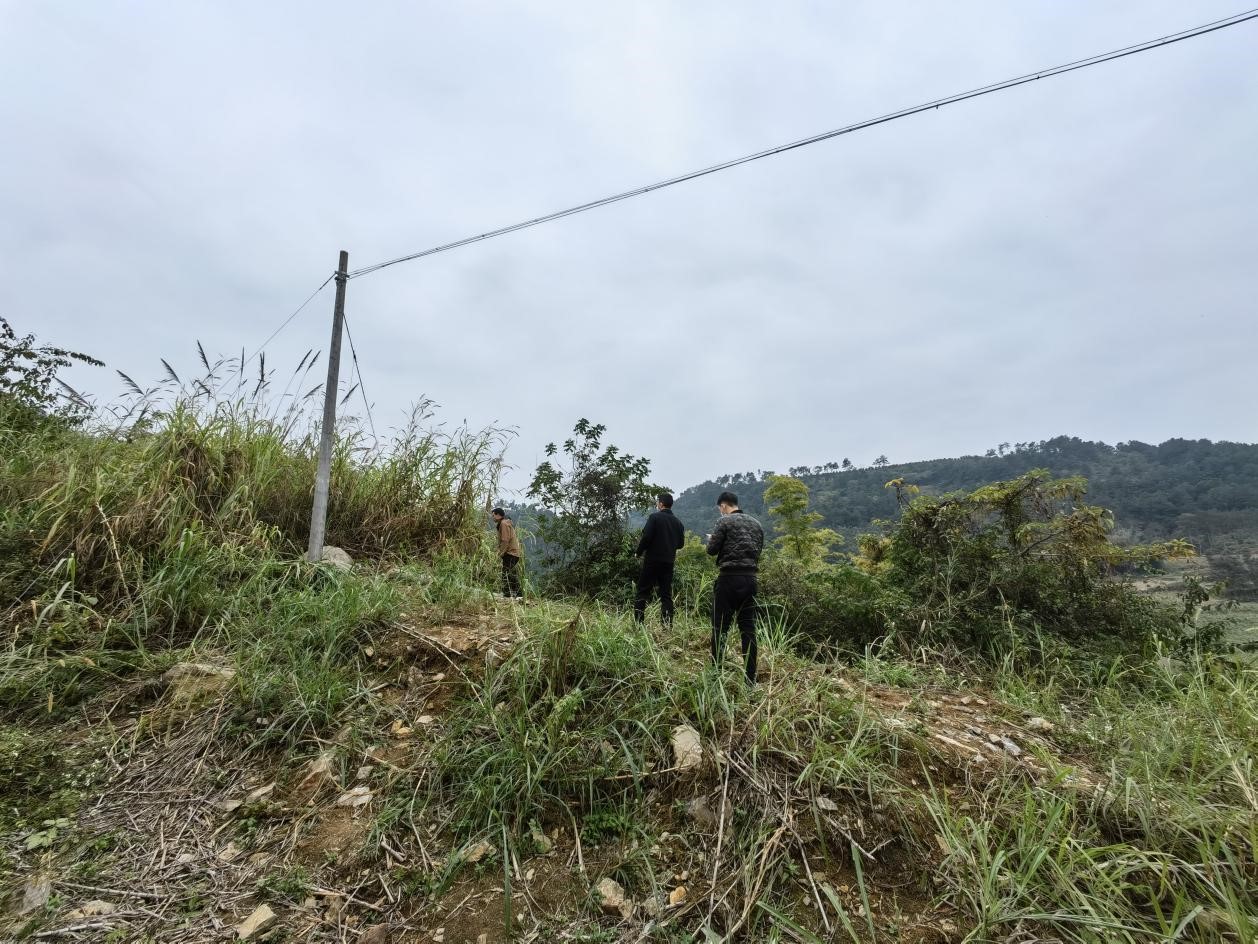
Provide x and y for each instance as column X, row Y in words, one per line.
column 1077, row 256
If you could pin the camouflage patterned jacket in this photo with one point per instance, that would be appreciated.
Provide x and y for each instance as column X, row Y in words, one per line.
column 736, row 542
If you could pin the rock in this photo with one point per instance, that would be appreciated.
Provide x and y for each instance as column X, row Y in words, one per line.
column 258, row 922
column 356, row 797
column 188, row 682
column 611, row 898
column 677, row 896
column 333, row 906
column 318, row 773
column 35, row 894
column 261, row 793
column 1040, row 724
column 1010, row 747
column 229, row 852
column 183, row 670
column 476, row 851
column 687, row 750
column 91, row 910
column 540, row 841
column 439, row 935
column 364, row 772
column 699, row 811
column 337, row 558
column 376, row 934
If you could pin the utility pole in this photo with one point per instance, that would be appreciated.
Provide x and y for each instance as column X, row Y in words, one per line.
column 319, row 513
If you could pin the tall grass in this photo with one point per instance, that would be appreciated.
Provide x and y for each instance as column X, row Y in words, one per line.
column 1161, row 847
column 576, row 717
column 180, row 518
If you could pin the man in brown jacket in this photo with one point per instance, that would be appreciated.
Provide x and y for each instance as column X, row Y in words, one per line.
column 510, row 552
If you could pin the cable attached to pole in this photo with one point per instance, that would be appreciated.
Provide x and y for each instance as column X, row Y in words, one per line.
column 275, row 333
column 362, row 387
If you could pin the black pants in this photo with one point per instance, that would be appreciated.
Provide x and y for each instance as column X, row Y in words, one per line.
column 735, row 598
column 511, row 576
column 655, row 575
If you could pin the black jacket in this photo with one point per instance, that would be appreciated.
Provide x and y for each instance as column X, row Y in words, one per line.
column 736, row 542
column 662, row 536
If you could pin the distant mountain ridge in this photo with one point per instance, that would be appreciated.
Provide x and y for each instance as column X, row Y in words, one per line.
column 1201, row 490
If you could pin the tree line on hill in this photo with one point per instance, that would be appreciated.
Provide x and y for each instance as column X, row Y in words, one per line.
column 1202, row 491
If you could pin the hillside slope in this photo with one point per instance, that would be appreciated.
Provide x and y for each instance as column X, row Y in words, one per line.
column 501, row 765
column 204, row 737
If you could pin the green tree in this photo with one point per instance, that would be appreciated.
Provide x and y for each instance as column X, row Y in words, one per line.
column 28, row 377
column 588, row 498
column 787, row 501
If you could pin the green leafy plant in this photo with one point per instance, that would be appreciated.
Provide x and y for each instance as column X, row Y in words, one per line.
column 588, row 497
column 29, row 386
column 47, row 836
column 799, row 538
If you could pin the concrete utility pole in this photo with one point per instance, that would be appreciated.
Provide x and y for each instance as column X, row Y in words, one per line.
column 319, row 513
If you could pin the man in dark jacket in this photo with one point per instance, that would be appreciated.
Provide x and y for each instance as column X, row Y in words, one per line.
column 736, row 542
column 661, row 538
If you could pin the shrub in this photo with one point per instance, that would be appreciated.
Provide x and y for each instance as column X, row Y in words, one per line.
column 585, row 530
column 1001, row 568
column 835, row 605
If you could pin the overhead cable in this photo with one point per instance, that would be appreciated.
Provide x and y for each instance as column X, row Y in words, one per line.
column 813, row 139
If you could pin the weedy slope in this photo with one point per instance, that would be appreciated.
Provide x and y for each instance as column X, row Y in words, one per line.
column 199, row 728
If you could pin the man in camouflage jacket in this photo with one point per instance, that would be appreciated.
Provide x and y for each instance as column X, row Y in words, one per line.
column 736, row 542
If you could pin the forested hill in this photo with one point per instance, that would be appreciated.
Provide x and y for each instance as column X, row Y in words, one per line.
column 1204, row 491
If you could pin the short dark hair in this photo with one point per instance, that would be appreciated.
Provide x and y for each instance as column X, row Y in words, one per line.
column 498, row 511
column 665, row 499
column 727, row 498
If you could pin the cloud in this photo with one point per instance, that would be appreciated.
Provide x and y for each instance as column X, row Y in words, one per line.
column 1068, row 257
